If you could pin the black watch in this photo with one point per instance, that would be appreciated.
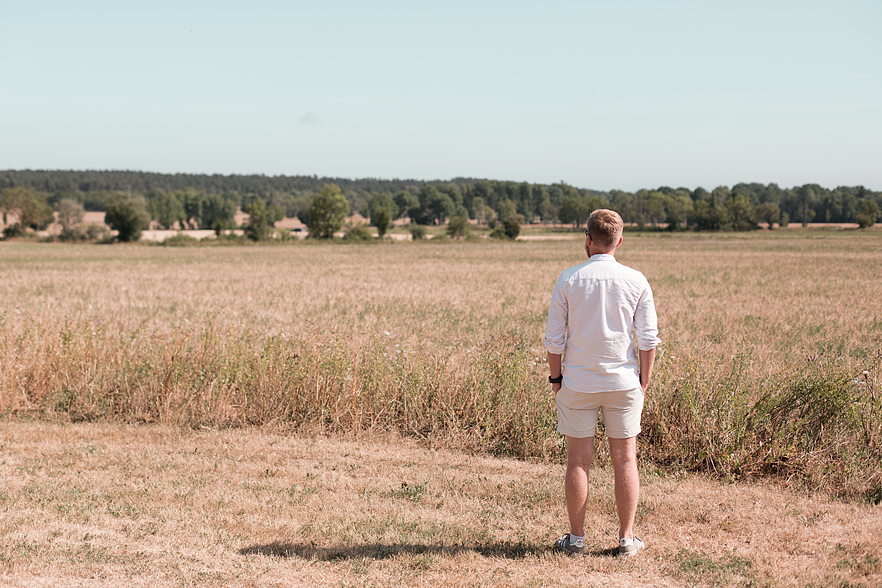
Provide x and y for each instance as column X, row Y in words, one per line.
column 556, row 380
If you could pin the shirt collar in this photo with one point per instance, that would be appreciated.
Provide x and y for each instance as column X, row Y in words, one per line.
column 602, row 257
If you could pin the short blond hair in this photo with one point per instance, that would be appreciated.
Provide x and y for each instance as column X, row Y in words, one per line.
column 605, row 227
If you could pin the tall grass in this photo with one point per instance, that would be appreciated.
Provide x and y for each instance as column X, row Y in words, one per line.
column 761, row 372
column 210, row 377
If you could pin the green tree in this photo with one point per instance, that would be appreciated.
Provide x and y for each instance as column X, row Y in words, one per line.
column 382, row 220
column 299, row 208
column 767, row 212
column 359, row 233
column 166, row 209
column 545, row 209
column 261, row 219
column 70, row 214
column 573, row 209
column 709, row 216
column 868, row 214
column 678, row 207
column 739, row 209
column 480, row 209
column 511, row 227
column 28, row 205
column 507, row 209
column 458, row 227
column 435, row 207
column 805, row 199
column 126, row 214
column 386, row 201
column 219, row 212
column 406, row 202
column 655, row 206
column 192, row 201
column 327, row 212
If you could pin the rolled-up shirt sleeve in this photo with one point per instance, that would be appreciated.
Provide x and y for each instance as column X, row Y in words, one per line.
column 556, row 326
column 646, row 322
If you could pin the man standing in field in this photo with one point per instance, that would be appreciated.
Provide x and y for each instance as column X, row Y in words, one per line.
column 594, row 310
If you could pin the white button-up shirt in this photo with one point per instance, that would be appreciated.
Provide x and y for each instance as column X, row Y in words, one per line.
column 594, row 310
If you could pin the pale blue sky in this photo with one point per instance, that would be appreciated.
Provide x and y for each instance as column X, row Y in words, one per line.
column 626, row 94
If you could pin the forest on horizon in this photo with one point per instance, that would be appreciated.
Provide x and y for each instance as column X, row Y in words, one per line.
column 197, row 199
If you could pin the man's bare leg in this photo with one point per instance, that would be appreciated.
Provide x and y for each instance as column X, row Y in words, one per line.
column 623, row 454
column 580, row 454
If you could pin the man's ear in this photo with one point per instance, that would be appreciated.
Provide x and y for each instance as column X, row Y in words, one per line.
column 620, row 240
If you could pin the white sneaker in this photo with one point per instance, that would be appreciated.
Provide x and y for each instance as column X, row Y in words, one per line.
column 629, row 547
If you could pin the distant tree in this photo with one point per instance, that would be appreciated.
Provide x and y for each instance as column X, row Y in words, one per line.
column 511, row 227
column 868, row 214
column 385, row 201
column 458, row 227
column 477, row 209
column 70, row 214
column 220, row 211
column 435, row 207
column 192, row 201
column 382, row 220
column 166, row 209
column 126, row 214
column 739, row 212
column 298, row 208
column 261, row 219
column 257, row 227
column 418, row 232
column 625, row 203
column 327, row 212
column 506, row 209
column 805, row 198
column 545, row 209
column 767, row 212
column 655, row 206
column 525, row 202
column 677, row 210
column 573, row 209
column 709, row 216
column 406, row 202
column 28, row 205
column 358, row 233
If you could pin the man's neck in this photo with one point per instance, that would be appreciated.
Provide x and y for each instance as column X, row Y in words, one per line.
column 592, row 252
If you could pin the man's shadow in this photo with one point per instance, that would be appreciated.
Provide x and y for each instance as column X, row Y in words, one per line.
column 381, row 551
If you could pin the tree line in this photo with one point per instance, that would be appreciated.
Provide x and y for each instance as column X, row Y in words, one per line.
column 492, row 203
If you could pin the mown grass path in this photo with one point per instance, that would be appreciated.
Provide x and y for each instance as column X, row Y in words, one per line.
column 100, row 504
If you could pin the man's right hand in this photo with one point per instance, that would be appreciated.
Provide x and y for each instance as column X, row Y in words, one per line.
column 647, row 358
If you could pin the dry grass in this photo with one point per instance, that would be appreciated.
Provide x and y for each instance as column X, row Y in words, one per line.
column 765, row 336
column 117, row 505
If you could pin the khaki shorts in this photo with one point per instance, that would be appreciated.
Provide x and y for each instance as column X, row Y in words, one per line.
column 577, row 412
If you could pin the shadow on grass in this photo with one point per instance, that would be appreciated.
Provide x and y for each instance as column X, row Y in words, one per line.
column 381, row 551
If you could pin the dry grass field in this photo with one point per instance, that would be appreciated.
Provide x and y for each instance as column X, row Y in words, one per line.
column 95, row 504
column 769, row 374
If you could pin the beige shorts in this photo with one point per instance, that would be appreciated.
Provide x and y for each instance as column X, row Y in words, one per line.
column 577, row 412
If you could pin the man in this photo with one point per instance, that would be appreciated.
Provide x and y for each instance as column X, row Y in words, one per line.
column 594, row 309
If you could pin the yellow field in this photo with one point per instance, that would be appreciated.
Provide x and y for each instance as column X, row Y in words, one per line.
column 443, row 342
column 386, row 378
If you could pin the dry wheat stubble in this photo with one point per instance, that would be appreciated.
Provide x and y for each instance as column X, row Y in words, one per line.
column 111, row 505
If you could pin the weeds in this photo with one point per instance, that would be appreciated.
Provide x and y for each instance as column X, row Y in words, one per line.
column 726, row 571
